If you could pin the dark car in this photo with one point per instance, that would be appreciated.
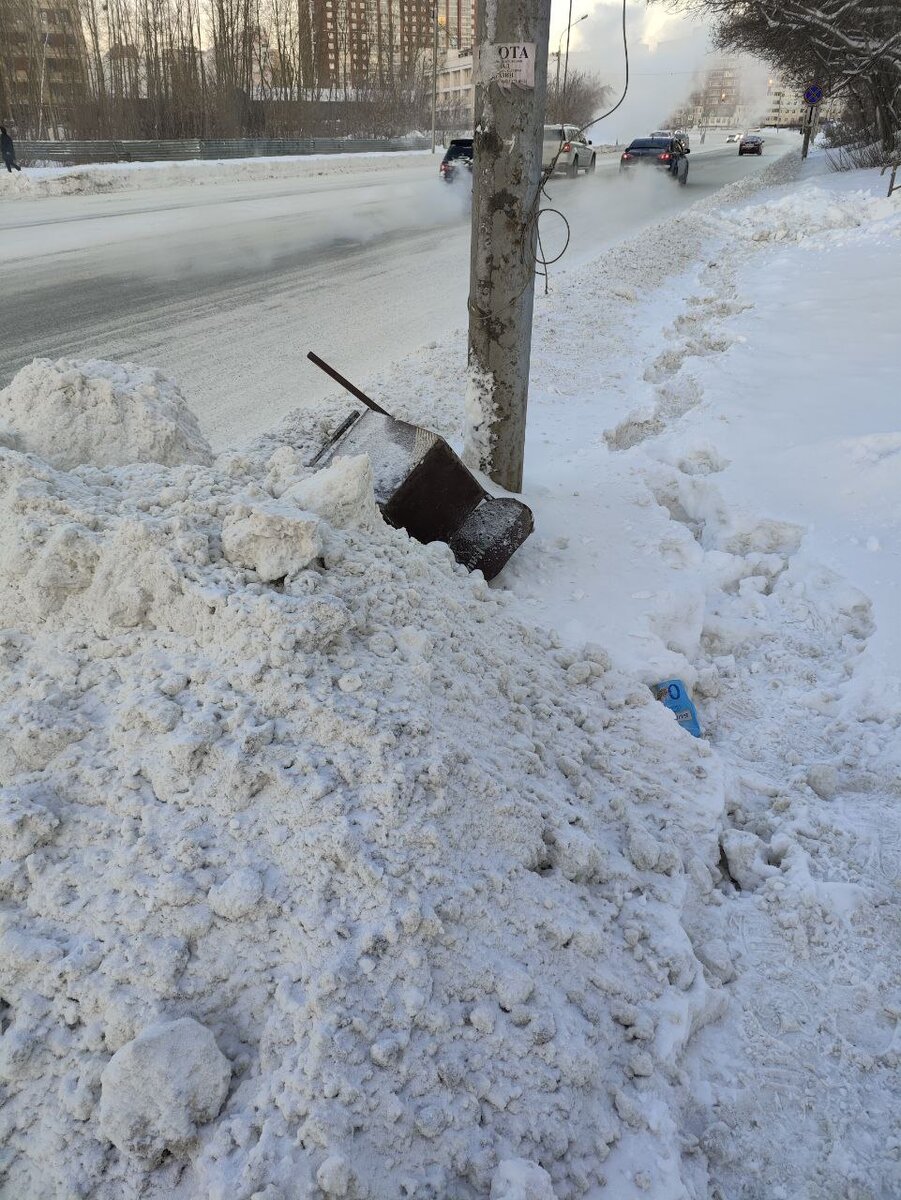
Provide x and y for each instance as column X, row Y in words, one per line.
column 458, row 158
column 667, row 153
column 750, row 144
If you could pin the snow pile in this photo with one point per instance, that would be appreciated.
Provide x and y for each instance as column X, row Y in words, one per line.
column 738, row 526
column 810, row 212
column 94, row 178
column 99, row 413
column 323, row 876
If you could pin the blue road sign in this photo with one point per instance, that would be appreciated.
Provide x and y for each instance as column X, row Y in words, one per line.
column 813, row 94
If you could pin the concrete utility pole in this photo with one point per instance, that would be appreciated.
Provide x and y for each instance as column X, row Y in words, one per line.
column 510, row 92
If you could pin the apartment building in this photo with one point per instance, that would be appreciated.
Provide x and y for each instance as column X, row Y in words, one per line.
column 362, row 41
column 42, row 65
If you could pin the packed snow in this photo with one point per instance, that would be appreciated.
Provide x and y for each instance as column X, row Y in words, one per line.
column 330, row 871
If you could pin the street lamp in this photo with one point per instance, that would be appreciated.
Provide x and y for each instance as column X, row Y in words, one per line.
column 565, row 34
column 434, row 76
column 41, row 94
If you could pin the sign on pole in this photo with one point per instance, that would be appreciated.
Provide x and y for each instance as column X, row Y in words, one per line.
column 813, row 94
column 508, row 64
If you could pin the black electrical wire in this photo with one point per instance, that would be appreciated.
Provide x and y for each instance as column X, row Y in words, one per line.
column 531, row 230
column 531, row 234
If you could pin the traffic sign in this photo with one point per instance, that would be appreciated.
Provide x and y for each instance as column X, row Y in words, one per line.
column 813, row 94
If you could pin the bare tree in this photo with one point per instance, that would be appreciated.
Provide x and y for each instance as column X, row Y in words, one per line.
column 584, row 98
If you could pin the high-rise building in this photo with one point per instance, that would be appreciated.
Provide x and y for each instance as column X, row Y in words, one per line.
column 42, row 64
column 365, row 41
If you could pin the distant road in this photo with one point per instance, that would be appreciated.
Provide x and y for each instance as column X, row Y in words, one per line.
column 227, row 286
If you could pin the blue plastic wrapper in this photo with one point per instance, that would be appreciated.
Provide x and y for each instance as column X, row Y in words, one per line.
column 674, row 694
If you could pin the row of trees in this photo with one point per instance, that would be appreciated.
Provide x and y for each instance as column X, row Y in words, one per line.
column 231, row 68
column 209, row 68
column 852, row 48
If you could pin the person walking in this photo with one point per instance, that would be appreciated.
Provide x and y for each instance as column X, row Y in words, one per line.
column 8, row 150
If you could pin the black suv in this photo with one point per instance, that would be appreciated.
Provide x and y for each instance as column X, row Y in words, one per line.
column 668, row 153
column 457, row 158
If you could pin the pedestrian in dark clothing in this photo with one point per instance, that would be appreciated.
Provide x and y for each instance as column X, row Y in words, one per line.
column 8, row 150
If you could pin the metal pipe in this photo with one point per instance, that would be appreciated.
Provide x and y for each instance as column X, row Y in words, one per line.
column 434, row 76
column 41, row 94
column 345, row 383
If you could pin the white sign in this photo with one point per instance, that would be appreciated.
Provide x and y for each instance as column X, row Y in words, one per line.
column 509, row 64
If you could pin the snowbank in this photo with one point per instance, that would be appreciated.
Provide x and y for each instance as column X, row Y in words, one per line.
column 121, row 177
column 379, row 845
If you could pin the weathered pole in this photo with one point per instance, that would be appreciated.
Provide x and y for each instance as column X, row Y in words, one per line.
column 808, row 129
column 510, row 93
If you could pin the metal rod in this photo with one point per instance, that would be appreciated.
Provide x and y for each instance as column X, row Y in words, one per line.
column 345, row 383
column 435, row 77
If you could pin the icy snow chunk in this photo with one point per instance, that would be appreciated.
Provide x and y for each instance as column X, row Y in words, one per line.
column 745, row 854
column 643, row 850
column 823, row 779
column 158, row 1088
column 341, row 494
column 238, row 895
column 514, row 987
column 102, row 414
column 273, row 538
column 716, row 958
column 24, row 823
column 521, row 1179
column 334, row 1176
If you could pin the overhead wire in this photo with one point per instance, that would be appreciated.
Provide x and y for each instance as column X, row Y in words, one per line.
column 531, row 227
column 531, row 244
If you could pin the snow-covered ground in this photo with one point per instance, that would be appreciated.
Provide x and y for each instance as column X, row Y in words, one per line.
column 331, row 871
column 93, row 178
column 228, row 286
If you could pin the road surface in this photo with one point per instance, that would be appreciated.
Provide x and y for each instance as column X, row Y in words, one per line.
column 226, row 286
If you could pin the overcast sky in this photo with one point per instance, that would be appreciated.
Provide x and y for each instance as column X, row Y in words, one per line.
column 665, row 49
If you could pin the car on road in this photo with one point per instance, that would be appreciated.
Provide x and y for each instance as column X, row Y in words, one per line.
column 457, row 159
column 667, row 153
column 567, row 148
column 733, row 137
column 750, row 144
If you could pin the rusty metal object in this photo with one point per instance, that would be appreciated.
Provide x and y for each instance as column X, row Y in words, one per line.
column 423, row 487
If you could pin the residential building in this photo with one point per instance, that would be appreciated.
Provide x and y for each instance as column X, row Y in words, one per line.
column 365, row 41
column 785, row 104
column 456, row 94
column 42, row 64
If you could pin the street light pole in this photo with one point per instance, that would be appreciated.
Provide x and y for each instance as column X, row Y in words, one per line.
column 434, row 76
column 41, row 93
column 566, row 59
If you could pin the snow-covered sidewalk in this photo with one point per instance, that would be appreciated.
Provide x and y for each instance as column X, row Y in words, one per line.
column 331, row 871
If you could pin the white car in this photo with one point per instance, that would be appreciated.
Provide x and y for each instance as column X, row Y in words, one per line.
column 568, row 149
column 733, row 137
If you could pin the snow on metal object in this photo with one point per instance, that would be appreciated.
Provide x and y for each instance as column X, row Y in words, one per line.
column 422, row 486
column 673, row 694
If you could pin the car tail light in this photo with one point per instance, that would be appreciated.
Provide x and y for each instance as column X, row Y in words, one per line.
column 566, row 147
column 665, row 156
column 626, row 154
column 443, row 168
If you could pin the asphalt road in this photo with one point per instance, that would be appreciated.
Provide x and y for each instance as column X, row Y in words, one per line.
column 227, row 286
